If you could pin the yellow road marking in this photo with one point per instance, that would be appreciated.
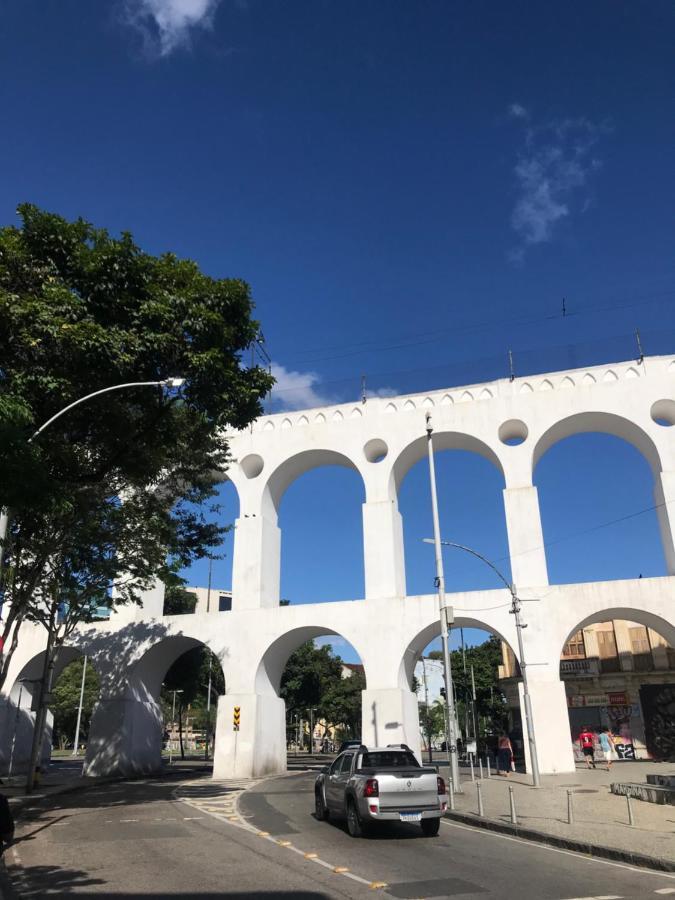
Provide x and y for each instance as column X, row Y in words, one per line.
column 310, row 855
column 340, row 870
column 377, row 885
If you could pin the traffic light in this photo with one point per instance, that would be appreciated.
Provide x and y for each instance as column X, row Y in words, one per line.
column 236, row 718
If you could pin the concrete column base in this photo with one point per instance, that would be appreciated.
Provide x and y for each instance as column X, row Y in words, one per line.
column 551, row 727
column 390, row 716
column 125, row 738
column 259, row 747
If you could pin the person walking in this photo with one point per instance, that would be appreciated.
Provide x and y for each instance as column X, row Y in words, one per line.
column 606, row 744
column 504, row 755
column 586, row 742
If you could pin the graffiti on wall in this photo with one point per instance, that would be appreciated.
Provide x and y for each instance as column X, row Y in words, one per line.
column 658, row 708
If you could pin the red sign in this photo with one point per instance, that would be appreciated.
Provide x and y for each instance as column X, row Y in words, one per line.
column 618, row 699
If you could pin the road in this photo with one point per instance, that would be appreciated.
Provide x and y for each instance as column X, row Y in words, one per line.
column 187, row 837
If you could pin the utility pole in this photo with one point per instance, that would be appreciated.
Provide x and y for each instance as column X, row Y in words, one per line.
column 79, row 709
column 447, row 617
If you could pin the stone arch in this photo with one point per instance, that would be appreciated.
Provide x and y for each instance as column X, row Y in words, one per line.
column 605, row 423
column 443, row 440
column 424, row 636
column 17, row 719
column 127, row 726
column 623, row 613
column 293, row 467
column 275, row 656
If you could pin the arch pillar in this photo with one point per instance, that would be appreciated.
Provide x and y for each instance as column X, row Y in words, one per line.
column 390, row 716
column 259, row 746
column 525, row 535
column 256, row 572
column 550, row 724
column 664, row 498
column 383, row 555
column 125, row 737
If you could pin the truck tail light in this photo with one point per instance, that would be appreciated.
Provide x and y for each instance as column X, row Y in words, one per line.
column 441, row 784
column 372, row 788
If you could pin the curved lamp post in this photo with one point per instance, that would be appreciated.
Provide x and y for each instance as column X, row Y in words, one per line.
column 515, row 610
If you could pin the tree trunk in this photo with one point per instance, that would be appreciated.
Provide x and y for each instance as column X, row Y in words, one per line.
column 45, row 688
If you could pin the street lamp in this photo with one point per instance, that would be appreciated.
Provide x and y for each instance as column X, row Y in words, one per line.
column 173, row 382
column 5, row 515
column 173, row 719
column 515, row 611
column 447, row 618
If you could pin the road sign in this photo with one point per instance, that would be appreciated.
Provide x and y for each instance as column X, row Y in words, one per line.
column 236, row 718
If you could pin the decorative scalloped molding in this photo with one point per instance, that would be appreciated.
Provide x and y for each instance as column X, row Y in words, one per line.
column 466, row 397
column 286, row 423
column 610, row 376
column 485, row 394
column 588, row 379
column 268, row 426
column 447, row 400
column 526, row 388
column 408, row 405
column 546, row 385
column 428, row 402
column 390, row 408
column 303, row 420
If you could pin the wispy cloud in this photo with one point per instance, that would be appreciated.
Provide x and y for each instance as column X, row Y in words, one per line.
column 166, row 25
column 298, row 390
column 553, row 171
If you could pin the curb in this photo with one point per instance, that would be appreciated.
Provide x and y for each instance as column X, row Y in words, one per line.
column 541, row 837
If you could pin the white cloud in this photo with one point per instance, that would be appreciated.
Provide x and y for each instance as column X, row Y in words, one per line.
column 297, row 390
column 165, row 25
column 554, row 167
column 518, row 111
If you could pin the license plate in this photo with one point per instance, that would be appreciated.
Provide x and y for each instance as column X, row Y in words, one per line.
column 410, row 817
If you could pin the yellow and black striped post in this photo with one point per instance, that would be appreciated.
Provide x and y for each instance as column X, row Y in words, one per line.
column 236, row 718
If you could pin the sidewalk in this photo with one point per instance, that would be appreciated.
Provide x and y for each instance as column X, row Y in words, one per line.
column 600, row 818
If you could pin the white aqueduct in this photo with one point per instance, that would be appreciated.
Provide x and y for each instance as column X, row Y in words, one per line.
column 380, row 440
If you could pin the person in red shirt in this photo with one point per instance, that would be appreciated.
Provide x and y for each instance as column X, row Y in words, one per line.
column 586, row 742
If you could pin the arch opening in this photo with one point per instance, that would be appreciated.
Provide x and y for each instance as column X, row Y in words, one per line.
column 618, row 668
column 471, row 512
column 485, row 677
column 61, row 722
column 596, row 496
column 321, row 522
column 320, row 677
column 215, row 569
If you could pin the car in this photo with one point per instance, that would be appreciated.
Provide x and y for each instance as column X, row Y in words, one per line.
column 349, row 745
column 380, row 784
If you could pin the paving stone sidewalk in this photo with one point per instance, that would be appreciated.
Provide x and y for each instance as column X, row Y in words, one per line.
column 600, row 817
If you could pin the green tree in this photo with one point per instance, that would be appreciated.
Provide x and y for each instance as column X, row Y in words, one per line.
column 308, row 676
column 80, row 311
column 340, row 706
column 65, row 701
column 189, row 674
column 119, row 490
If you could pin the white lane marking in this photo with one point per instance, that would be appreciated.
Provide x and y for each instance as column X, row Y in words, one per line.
column 603, row 897
column 664, row 891
column 581, row 856
column 128, row 820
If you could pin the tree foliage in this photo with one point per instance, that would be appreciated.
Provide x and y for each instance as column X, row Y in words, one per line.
column 118, row 490
column 313, row 679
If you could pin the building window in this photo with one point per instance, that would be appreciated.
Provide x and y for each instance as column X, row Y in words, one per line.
column 609, row 658
column 574, row 648
column 224, row 602
column 640, row 648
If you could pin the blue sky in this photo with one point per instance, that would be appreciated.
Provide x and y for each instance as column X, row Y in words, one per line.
column 411, row 189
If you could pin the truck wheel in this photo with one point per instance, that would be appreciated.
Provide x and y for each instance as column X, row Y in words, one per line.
column 320, row 807
column 430, row 827
column 354, row 825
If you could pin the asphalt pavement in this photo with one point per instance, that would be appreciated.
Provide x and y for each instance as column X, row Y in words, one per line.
column 192, row 837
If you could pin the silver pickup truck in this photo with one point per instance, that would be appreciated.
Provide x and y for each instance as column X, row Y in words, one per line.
column 380, row 784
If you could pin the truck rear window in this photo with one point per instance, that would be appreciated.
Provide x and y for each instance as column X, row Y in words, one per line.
column 389, row 759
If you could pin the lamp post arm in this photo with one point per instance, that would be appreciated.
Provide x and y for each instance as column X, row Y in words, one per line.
column 483, row 558
column 107, row 390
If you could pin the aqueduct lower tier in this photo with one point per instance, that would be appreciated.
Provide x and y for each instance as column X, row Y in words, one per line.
column 512, row 424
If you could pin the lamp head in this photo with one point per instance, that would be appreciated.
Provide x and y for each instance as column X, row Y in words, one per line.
column 174, row 382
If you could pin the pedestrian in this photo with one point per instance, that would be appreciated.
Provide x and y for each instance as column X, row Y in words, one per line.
column 504, row 755
column 586, row 742
column 6, row 824
column 606, row 744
